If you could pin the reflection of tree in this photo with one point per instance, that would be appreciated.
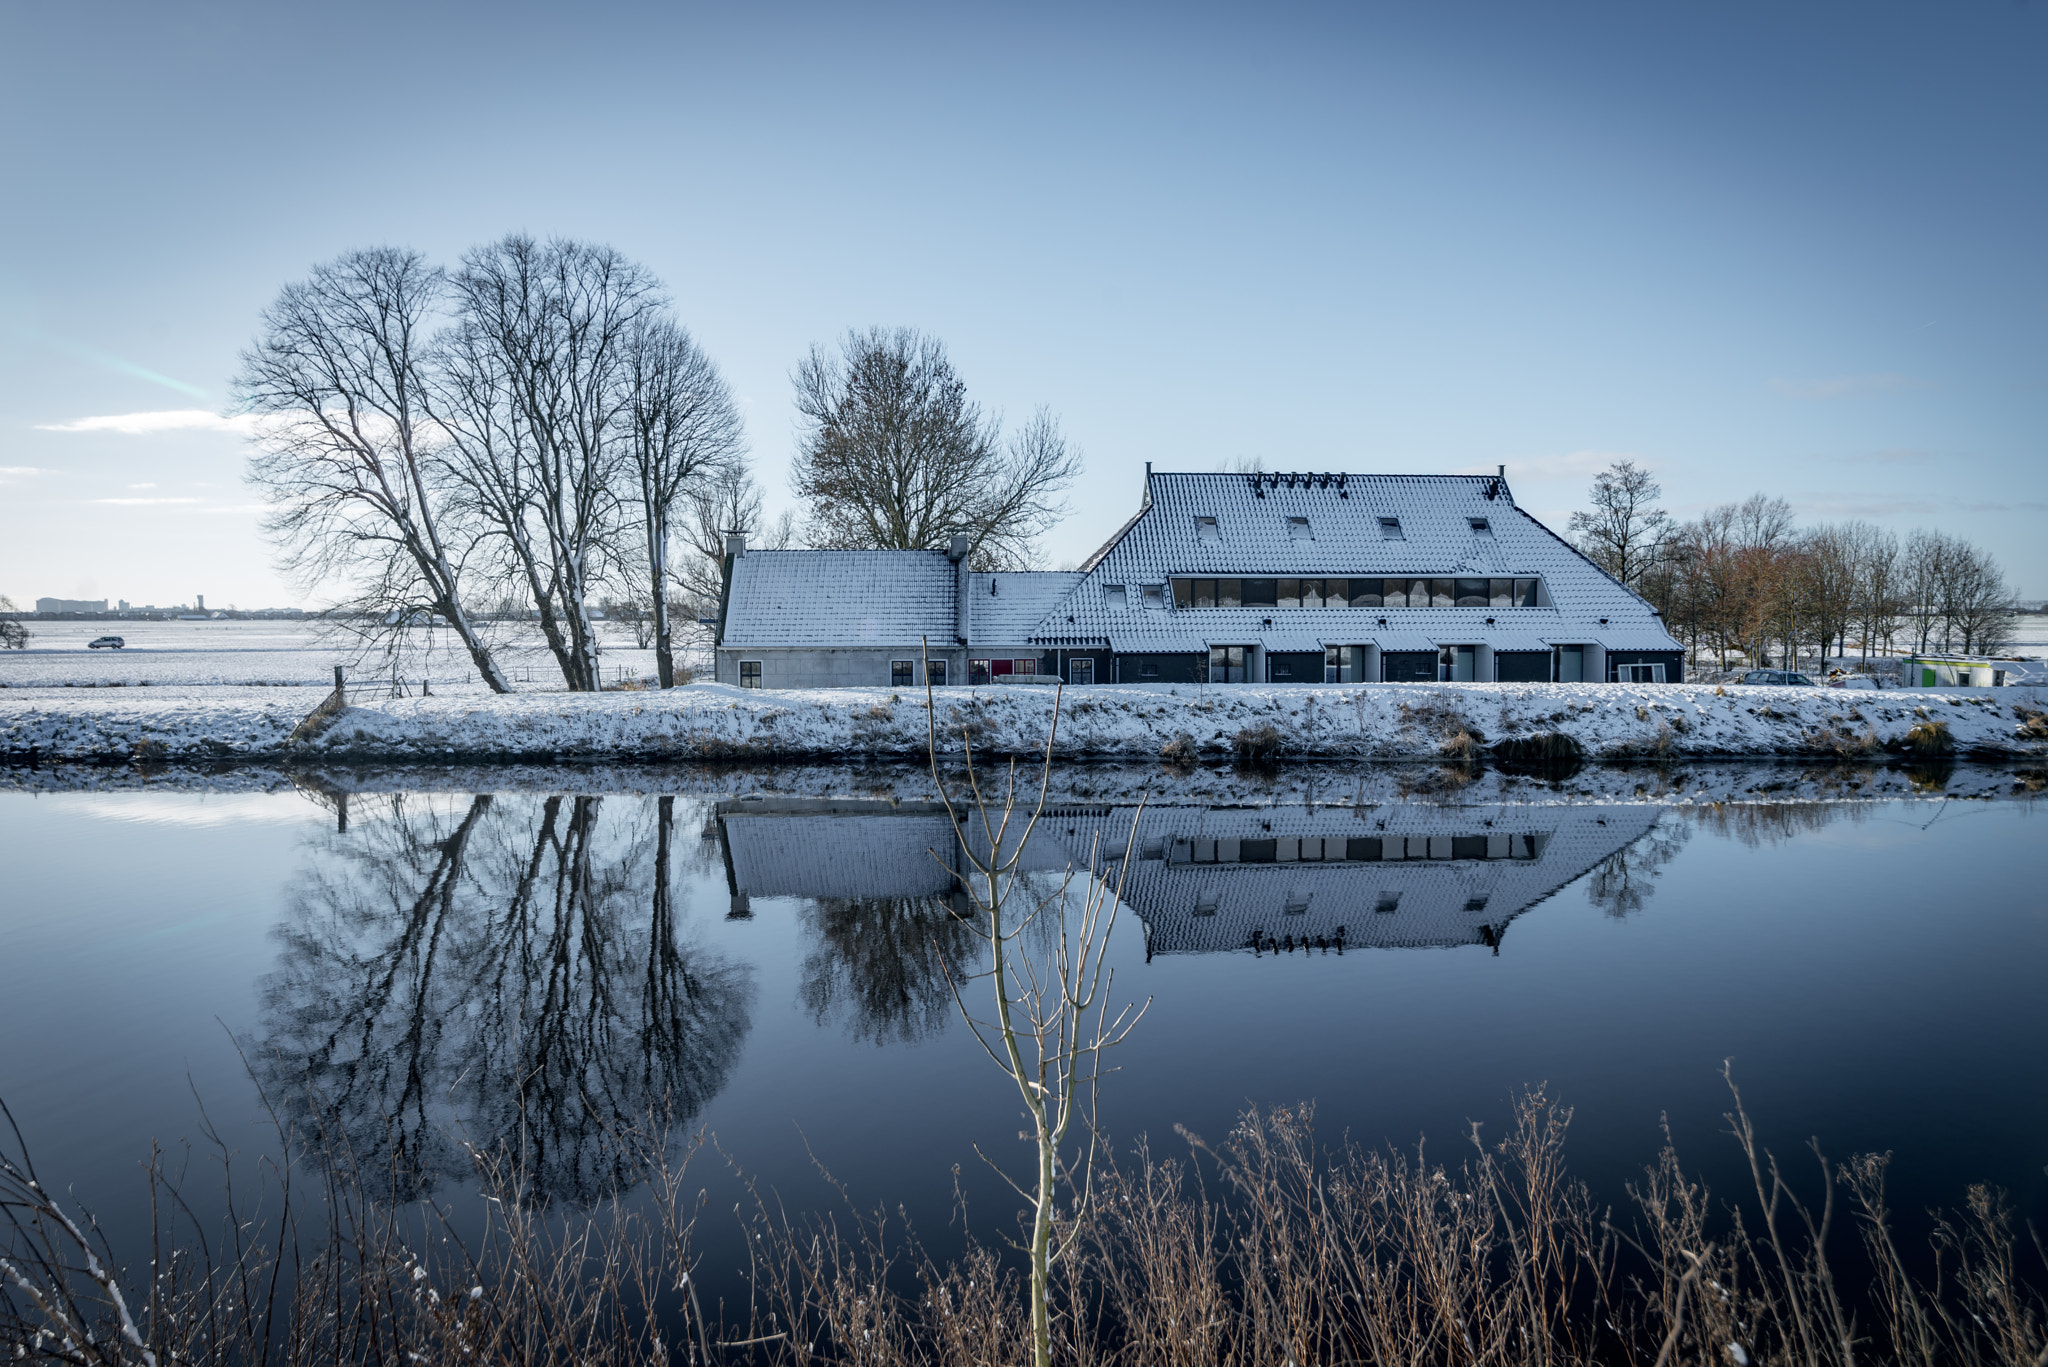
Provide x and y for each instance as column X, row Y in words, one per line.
column 886, row 959
column 1625, row 880
column 1757, row 824
column 516, row 962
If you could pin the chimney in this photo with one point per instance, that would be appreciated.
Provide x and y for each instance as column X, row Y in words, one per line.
column 963, row 611
column 202, row 602
column 735, row 544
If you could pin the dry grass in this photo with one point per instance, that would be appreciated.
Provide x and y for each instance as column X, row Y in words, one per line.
column 1180, row 752
column 1270, row 1247
column 1258, row 743
column 1930, row 737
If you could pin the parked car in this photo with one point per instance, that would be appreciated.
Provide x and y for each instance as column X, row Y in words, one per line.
column 105, row 643
column 1778, row 676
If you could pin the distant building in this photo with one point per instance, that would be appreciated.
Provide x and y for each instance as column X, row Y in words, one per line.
column 1251, row 578
column 71, row 605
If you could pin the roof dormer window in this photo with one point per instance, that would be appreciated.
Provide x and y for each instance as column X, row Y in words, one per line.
column 1114, row 595
column 1481, row 526
column 1390, row 529
column 1206, row 530
column 1297, row 528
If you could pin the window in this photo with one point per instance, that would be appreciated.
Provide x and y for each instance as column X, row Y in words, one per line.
column 1148, row 668
column 1387, row 902
column 1226, row 664
column 901, row 674
column 1390, row 529
column 1648, row 673
column 1207, row 530
column 1471, row 593
column 1114, row 594
column 1481, row 525
column 1155, row 596
column 1206, row 902
column 1500, row 593
column 1333, row 664
column 935, row 673
column 1475, row 904
column 977, row 671
column 1297, row 528
column 1367, row 593
column 1082, row 670
column 750, row 673
column 1258, row 593
column 1023, row 666
column 1526, row 592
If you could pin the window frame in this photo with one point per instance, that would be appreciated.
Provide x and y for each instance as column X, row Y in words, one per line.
column 902, row 673
column 755, row 666
column 1207, row 530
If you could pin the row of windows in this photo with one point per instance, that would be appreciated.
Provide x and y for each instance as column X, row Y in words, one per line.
column 1406, row 591
column 1357, row 849
column 1207, row 530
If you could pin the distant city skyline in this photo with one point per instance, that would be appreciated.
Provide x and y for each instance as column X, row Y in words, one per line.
column 1788, row 249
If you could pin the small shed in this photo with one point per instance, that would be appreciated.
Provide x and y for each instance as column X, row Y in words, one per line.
column 1951, row 671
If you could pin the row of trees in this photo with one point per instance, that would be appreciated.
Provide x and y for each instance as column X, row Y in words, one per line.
column 1744, row 577
column 534, row 430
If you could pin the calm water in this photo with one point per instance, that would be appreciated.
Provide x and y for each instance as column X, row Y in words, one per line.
column 776, row 969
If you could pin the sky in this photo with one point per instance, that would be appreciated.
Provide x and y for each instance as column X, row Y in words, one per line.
column 1777, row 247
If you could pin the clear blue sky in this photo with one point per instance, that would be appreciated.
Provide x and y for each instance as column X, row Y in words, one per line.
column 1795, row 248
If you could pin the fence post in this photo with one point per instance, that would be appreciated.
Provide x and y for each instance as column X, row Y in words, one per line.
column 339, row 695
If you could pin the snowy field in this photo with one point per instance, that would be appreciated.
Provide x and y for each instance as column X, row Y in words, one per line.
column 220, row 653
column 713, row 721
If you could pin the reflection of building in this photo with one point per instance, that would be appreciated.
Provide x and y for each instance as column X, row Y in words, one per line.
column 1209, row 879
column 833, row 849
column 1388, row 877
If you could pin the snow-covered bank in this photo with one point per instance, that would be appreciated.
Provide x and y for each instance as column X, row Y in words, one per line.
column 709, row 721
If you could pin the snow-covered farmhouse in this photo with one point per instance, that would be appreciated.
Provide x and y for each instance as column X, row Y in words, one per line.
column 1259, row 578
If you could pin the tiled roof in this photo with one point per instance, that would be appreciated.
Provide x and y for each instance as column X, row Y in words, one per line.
column 839, row 856
column 1344, row 538
column 826, row 598
column 1007, row 616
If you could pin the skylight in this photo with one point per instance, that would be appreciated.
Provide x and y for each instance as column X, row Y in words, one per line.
column 1206, row 529
column 1297, row 527
column 1481, row 525
column 1390, row 529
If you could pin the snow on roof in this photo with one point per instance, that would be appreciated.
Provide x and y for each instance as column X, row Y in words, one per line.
column 823, row 598
column 1017, row 604
column 1332, row 525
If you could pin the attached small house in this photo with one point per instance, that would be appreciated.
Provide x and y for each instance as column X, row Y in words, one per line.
column 1952, row 671
column 1244, row 578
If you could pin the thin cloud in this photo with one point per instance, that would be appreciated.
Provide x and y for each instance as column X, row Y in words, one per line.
column 142, row 486
column 145, row 424
column 19, row 470
column 1845, row 386
column 139, row 502
column 1900, row 456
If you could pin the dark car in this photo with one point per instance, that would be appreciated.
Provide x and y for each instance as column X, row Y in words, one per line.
column 1779, row 676
column 105, row 643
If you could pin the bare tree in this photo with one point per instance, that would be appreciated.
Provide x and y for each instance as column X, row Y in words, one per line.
column 13, row 635
column 893, row 455
column 1625, row 531
column 683, row 427
column 343, row 452
column 728, row 502
column 1877, row 585
column 553, row 322
column 1830, row 565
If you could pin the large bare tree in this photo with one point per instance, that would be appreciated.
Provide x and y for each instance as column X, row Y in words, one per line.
column 1624, row 532
column 893, row 455
column 343, row 451
column 553, row 322
column 682, row 427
